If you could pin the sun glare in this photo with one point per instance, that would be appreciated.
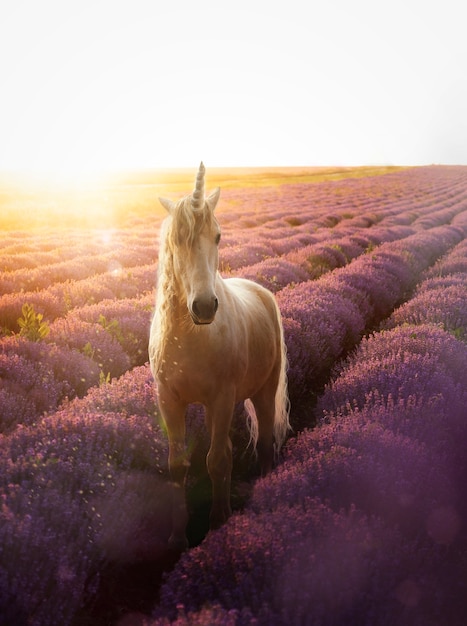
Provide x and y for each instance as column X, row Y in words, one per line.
column 61, row 176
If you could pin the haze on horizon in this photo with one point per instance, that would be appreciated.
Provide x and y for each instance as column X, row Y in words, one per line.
column 95, row 85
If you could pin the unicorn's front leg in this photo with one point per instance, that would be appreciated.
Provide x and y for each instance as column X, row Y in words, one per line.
column 219, row 463
column 219, row 458
column 173, row 414
column 178, row 464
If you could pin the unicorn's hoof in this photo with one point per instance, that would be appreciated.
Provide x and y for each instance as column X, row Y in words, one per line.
column 219, row 518
column 178, row 544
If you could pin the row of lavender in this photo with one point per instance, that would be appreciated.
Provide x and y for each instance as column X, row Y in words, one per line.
column 365, row 520
column 326, row 318
column 87, row 484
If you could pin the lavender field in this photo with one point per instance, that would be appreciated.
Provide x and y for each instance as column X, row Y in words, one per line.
column 364, row 519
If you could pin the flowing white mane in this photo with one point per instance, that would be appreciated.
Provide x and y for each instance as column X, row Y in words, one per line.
column 180, row 228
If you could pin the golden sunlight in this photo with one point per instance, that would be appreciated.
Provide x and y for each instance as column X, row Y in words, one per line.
column 106, row 202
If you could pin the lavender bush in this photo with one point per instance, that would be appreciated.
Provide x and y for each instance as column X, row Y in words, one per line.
column 418, row 390
column 452, row 263
column 274, row 273
column 27, row 390
column 319, row 258
column 353, row 463
column 307, row 564
column 404, row 362
column 43, row 302
column 239, row 256
column 437, row 304
column 57, row 299
column 132, row 394
column 128, row 322
column 74, row 370
column 60, row 484
column 314, row 339
column 93, row 341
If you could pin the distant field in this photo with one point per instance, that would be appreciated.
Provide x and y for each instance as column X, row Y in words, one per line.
column 29, row 203
column 364, row 519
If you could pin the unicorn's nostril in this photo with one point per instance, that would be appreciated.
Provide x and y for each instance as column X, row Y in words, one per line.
column 204, row 310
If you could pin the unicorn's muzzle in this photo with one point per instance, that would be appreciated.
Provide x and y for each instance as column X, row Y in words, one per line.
column 203, row 310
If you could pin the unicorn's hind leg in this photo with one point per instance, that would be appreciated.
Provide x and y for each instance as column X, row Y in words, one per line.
column 173, row 413
column 219, row 459
column 264, row 404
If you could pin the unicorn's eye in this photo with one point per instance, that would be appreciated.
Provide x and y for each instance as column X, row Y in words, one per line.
column 218, row 238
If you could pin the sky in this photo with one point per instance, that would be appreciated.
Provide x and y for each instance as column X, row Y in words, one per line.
column 94, row 85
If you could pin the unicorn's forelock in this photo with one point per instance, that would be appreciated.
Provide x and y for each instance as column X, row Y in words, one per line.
column 187, row 222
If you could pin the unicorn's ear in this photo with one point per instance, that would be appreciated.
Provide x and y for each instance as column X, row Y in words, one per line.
column 167, row 204
column 213, row 198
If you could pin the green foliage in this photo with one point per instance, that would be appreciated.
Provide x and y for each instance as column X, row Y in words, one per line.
column 68, row 300
column 112, row 327
column 104, row 379
column 88, row 350
column 32, row 325
column 459, row 333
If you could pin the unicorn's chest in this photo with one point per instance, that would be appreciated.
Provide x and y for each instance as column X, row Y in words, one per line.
column 193, row 368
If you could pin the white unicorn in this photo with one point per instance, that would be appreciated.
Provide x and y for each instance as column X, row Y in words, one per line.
column 216, row 342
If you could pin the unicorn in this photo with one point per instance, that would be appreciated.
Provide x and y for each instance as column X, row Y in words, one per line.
column 216, row 342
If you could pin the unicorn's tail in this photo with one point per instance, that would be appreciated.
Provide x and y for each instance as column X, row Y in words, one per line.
column 282, row 402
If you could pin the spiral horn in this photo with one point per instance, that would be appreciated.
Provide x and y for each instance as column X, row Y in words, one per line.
column 197, row 199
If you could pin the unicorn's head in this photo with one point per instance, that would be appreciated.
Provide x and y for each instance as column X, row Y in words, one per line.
column 194, row 235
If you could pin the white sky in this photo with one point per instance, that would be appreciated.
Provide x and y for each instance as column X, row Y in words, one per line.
column 99, row 84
